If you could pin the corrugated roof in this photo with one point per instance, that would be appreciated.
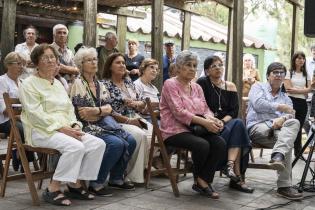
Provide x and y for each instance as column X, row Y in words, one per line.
column 202, row 28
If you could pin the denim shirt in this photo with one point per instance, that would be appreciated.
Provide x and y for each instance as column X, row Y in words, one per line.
column 263, row 105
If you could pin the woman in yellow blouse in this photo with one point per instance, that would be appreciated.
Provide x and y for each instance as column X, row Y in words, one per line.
column 250, row 73
column 49, row 121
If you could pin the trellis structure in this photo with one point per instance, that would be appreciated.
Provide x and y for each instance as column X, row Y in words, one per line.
column 86, row 10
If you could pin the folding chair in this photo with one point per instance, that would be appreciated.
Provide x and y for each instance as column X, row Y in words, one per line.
column 157, row 142
column 15, row 141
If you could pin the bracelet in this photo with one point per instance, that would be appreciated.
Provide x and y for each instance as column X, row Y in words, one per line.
column 100, row 113
column 74, row 124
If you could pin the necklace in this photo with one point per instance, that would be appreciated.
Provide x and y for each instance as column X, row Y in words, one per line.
column 219, row 96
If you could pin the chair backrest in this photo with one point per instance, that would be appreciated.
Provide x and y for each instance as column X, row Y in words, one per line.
column 244, row 107
column 14, row 109
column 154, row 117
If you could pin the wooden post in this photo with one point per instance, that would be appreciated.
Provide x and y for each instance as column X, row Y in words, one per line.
column 186, row 30
column 7, row 29
column 295, row 29
column 89, row 33
column 121, row 31
column 228, row 46
column 235, row 73
column 157, row 37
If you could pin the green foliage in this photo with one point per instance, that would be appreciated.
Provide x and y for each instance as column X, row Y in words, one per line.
column 214, row 11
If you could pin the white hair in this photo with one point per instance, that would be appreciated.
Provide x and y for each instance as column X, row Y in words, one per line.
column 82, row 53
column 186, row 56
column 59, row 26
column 250, row 57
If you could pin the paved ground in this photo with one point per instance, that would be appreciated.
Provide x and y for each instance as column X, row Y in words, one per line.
column 160, row 196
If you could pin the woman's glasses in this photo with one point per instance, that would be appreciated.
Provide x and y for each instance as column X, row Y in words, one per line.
column 17, row 63
column 46, row 58
column 215, row 66
column 90, row 60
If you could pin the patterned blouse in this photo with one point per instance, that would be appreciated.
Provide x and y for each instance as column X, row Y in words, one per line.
column 82, row 96
column 117, row 95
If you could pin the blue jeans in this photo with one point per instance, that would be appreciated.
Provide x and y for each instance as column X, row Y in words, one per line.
column 115, row 158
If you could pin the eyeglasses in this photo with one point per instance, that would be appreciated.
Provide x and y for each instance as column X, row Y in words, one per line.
column 18, row 63
column 152, row 67
column 46, row 58
column 278, row 73
column 90, row 60
column 214, row 66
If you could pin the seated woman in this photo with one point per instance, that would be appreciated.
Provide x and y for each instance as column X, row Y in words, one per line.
column 182, row 104
column 126, row 102
column 49, row 121
column 149, row 69
column 221, row 97
column 9, row 82
column 90, row 99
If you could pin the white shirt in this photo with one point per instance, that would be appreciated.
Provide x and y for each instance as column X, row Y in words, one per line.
column 7, row 85
column 26, row 53
column 310, row 68
column 297, row 81
column 148, row 90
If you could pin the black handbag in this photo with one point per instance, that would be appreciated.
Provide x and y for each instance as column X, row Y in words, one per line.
column 198, row 130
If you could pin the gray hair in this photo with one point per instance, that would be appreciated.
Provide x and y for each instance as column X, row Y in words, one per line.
column 59, row 26
column 82, row 53
column 13, row 57
column 184, row 57
column 109, row 35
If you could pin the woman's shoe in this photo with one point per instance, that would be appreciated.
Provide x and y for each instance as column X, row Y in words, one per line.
column 206, row 191
column 229, row 171
column 241, row 186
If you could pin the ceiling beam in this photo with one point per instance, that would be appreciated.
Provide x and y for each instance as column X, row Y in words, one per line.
column 227, row 3
column 121, row 12
column 296, row 2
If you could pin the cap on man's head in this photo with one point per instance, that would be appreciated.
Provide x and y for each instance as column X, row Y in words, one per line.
column 169, row 42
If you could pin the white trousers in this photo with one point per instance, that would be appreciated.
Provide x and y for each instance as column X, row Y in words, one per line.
column 140, row 157
column 79, row 159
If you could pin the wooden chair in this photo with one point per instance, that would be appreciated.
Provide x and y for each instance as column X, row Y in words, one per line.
column 254, row 164
column 15, row 141
column 157, row 142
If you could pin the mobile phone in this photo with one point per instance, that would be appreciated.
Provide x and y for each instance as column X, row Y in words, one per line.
column 143, row 124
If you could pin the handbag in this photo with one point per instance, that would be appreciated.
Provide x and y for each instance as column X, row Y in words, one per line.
column 199, row 130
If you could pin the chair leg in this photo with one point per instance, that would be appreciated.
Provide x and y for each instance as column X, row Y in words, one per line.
column 7, row 164
column 148, row 171
column 252, row 156
column 179, row 151
column 167, row 165
column 261, row 152
column 28, row 175
column 43, row 167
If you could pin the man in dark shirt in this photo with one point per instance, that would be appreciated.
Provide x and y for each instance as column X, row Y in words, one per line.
column 168, row 58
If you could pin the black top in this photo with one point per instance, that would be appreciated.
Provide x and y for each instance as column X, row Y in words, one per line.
column 133, row 63
column 228, row 99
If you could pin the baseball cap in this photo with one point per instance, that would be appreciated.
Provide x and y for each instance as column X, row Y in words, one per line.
column 169, row 42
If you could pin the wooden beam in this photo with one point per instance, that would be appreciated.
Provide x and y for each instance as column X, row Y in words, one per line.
column 157, row 37
column 90, row 25
column 186, row 30
column 179, row 5
column 122, row 12
column 121, row 31
column 295, row 29
column 7, row 29
column 296, row 2
column 228, row 45
column 227, row 3
column 235, row 72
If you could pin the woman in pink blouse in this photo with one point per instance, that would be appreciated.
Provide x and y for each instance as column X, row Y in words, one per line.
column 182, row 104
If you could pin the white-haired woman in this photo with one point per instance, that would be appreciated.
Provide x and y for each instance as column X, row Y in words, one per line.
column 250, row 73
column 91, row 101
column 183, row 104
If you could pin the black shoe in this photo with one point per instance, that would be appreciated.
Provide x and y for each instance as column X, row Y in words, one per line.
column 124, row 186
column 277, row 161
column 103, row 192
column 229, row 171
column 206, row 191
column 242, row 187
column 289, row 193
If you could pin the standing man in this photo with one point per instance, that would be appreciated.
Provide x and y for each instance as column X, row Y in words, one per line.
column 105, row 51
column 25, row 49
column 270, row 122
column 168, row 58
column 310, row 68
column 67, row 67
